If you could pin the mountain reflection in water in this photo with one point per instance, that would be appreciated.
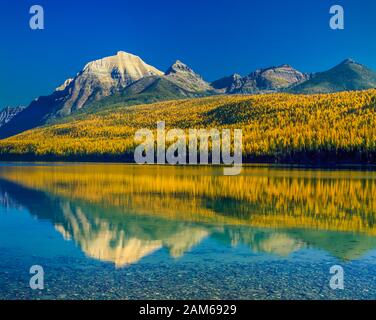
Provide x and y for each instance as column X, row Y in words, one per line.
column 122, row 213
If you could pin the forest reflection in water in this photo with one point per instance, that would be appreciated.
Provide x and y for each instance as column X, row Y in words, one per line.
column 122, row 213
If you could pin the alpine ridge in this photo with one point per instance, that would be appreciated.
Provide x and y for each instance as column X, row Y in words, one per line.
column 186, row 78
column 102, row 78
column 97, row 80
column 347, row 76
column 8, row 113
column 262, row 80
column 125, row 79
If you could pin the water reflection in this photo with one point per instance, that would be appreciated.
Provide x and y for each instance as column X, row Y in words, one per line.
column 122, row 213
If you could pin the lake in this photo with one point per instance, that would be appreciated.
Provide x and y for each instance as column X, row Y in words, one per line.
column 114, row 231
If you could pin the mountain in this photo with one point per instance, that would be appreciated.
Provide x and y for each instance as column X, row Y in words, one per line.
column 183, row 76
column 125, row 79
column 146, row 90
column 348, row 75
column 228, row 84
column 102, row 78
column 262, row 80
column 98, row 79
column 179, row 82
column 8, row 114
column 303, row 122
column 274, row 78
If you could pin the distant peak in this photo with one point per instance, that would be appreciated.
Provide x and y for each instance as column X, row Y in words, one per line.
column 282, row 66
column 348, row 61
column 119, row 58
column 179, row 63
column 179, row 66
column 273, row 68
column 123, row 63
column 288, row 66
column 125, row 54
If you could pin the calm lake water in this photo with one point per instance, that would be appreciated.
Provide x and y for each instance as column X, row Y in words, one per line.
column 159, row 232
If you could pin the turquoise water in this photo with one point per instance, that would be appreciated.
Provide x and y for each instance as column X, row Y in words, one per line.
column 126, row 232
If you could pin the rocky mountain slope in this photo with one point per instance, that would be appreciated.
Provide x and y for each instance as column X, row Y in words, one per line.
column 185, row 77
column 262, row 80
column 348, row 75
column 98, row 79
column 285, row 128
column 8, row 113
column 125, row 79
column 102, row 78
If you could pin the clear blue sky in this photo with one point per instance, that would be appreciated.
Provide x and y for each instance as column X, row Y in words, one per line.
column 215, row 37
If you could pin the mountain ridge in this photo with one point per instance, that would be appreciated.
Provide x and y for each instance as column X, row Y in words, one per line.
column 347, row 76
column 8, row 113
column 126, row 79
column 261, row 80
column 279, row 127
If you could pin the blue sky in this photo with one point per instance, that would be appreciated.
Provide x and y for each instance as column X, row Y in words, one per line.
column 215, row 37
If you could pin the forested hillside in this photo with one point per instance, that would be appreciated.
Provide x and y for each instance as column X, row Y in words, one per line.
column 338, row 127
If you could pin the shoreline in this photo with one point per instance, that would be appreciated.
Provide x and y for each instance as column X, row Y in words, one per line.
column 319, row 166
